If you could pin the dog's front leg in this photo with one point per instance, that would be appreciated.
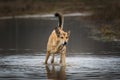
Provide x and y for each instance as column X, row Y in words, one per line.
column 60, row 58
column 63, row 57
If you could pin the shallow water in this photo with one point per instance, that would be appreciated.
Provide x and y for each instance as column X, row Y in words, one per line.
column 79, row 67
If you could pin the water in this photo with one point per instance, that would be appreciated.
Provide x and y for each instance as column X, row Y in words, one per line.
column 79, row 67
column 25, row 33
column 32, row 32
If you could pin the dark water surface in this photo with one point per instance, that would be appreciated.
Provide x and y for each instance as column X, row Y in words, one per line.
column 32, row 34
column 79, row 67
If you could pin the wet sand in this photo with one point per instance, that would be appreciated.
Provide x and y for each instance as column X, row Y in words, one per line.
column 79, row 67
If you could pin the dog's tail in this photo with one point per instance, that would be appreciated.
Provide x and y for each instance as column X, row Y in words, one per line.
column 61, row 19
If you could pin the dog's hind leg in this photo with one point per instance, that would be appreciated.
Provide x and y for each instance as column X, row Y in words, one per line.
column 52, row 61
column 47, row 57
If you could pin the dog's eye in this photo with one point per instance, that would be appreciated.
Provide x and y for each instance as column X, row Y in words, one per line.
column 66, row 37
column 61, row 37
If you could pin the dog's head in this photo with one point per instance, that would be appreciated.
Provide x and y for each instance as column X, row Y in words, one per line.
column 62, row 36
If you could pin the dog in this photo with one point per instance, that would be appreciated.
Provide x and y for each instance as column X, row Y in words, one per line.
column 57, row 41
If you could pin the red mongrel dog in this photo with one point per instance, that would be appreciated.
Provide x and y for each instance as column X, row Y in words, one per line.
column 57, row 41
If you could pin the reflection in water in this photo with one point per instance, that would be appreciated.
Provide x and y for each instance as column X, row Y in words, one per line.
column 56, row 72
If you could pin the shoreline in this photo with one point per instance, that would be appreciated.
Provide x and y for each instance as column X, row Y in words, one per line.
column 46, row 15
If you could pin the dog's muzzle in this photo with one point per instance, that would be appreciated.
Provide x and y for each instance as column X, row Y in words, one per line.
column 65, row 43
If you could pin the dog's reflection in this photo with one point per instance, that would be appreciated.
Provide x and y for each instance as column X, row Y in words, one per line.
column 55, row 72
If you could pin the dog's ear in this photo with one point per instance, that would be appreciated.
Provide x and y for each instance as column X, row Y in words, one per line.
column 68, row 33
column 57, row 32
